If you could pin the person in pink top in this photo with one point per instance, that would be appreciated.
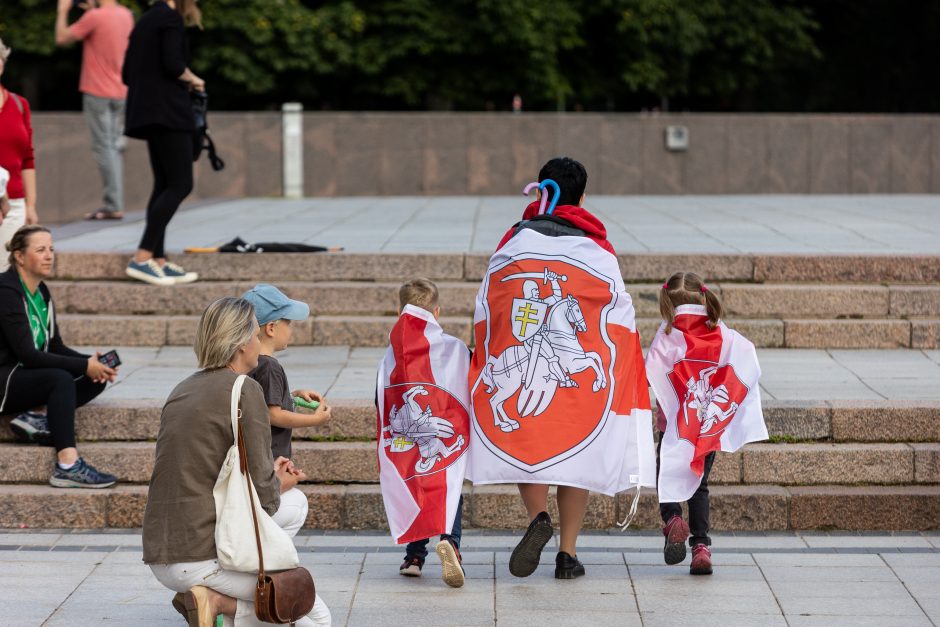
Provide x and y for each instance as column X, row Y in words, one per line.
column 104, row 30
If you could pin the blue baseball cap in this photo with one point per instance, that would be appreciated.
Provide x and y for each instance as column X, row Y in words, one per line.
column 272, row 304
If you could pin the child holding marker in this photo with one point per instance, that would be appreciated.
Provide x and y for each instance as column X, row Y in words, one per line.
column 705, row 378
column 275, row 312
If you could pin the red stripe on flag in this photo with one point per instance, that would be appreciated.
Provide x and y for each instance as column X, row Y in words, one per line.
column 703, row 344
column 413, row 365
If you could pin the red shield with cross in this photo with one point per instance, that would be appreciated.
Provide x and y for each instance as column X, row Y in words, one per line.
column 709, row 396
column 425, row 428
column 546, row 388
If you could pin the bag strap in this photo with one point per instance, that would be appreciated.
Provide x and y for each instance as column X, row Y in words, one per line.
column 214, row 159
column 243, row 464
column 16, row 101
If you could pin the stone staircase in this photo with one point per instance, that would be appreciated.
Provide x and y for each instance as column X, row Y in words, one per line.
column 830, row 464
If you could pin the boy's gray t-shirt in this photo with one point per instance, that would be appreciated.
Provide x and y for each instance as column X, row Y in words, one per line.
column 270, row 374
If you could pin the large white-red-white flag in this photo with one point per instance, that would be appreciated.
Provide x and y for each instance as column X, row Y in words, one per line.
column 558, row 387
column 423, row 426
column 706, row 383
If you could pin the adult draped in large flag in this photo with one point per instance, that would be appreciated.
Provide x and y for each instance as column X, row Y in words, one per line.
column 423, row 426
column 706, row 383
column 558, row 386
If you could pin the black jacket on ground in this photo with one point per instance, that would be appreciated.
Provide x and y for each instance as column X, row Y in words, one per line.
column 17, row 349
column 156, row 56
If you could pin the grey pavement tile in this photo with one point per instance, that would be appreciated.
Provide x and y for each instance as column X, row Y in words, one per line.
column 867, row 541
column 422, row 617
column 593, row 617
column 829, row 560
column 679, row 601
column 881, row 590
column 878, row 605
column 906, row 574
column 855, row 620
column 719, row 559
column 664, row 618
column 567, row 600
column 39, row 539
column 826, row 574
column 912, row 560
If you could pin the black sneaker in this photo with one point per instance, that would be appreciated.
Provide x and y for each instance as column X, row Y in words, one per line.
column 567, row 567
column 81, row 475
column 525, row 557
column 31, row 428
column 411, row 567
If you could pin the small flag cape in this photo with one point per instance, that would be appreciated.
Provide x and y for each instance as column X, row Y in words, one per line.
column 706, row 383
column 423, row 426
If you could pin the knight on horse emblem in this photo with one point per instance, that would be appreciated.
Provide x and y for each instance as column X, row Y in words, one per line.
column 548, row 354
column 411, row 425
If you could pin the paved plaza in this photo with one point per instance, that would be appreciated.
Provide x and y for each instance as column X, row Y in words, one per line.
column 67, row 579
column 343, row 372
column 872, row 224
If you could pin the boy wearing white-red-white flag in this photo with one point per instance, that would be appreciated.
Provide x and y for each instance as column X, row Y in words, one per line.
column 558, row 388
column 423, row 432
column 705, row 379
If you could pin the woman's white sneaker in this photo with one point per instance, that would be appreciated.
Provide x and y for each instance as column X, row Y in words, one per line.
column 178, row 274
column 149, row 272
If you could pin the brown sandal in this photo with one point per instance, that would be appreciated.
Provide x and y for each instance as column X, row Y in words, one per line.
column 104, row 214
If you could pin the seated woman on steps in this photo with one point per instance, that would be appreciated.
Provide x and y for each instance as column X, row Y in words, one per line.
column 195, row 436
column 37, row 368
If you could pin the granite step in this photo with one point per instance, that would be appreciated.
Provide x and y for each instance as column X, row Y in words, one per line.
column 355, row 462
column 113, row 420
column 742, row 300
column 333, row 330
column 733, row 508
column 654, row 267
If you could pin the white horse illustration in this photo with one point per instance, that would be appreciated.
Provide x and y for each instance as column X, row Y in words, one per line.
column 505, row 374
column 705, row 399
column 423, row 429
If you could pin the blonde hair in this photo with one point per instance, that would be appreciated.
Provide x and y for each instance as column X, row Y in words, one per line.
column 4, row 52
column 420, row 293
column 687, row 288
column 20, row 240
column 225, row 326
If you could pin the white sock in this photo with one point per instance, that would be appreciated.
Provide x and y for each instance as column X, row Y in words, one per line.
column 67, row 466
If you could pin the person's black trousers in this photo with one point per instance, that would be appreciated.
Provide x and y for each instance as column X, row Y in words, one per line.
column 171, row 160
column 59, row 391
column 698, row 504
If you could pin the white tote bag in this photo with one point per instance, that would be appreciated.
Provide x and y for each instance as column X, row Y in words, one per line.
column 235, row 540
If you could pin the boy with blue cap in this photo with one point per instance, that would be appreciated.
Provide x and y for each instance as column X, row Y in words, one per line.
column 275, row 312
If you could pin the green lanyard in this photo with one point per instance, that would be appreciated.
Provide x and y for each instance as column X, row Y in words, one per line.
column 38, row 314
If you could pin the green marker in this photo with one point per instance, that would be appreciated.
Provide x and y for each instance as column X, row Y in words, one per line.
column 307, row 404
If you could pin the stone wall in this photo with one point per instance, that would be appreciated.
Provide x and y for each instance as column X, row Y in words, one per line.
column 496, row 154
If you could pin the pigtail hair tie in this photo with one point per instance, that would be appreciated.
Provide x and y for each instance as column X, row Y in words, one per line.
column 703, row 289
column 666, row 286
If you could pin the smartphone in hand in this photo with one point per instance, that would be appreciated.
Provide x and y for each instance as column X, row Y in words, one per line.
column 110, row 359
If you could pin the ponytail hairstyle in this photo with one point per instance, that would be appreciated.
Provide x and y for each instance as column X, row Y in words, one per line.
column 687, row 288
column 20, row 240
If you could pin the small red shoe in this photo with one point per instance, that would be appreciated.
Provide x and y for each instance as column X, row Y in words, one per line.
column 701, row 560
column 676, row 532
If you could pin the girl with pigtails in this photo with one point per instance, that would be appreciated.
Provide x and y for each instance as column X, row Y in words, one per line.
column 705, row 379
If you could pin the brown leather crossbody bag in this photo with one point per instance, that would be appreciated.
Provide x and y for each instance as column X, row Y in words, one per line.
column 283, row 597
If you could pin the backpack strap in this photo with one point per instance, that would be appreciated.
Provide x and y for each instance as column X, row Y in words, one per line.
column 214, row 159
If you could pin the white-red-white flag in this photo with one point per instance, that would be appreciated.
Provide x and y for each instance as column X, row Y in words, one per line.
column 706, row 383
column 423, row 426
column 558, row 387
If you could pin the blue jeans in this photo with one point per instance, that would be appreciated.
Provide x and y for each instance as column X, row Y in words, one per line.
column 419, row 548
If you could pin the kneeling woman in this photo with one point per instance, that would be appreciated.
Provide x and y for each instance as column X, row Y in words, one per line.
column 37, row 368
column 195, row 435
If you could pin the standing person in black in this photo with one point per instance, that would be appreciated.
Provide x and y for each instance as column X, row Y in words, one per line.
column 37, row 368
column 159, row 111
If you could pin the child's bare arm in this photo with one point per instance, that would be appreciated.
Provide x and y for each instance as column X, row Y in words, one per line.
column 292, row 420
